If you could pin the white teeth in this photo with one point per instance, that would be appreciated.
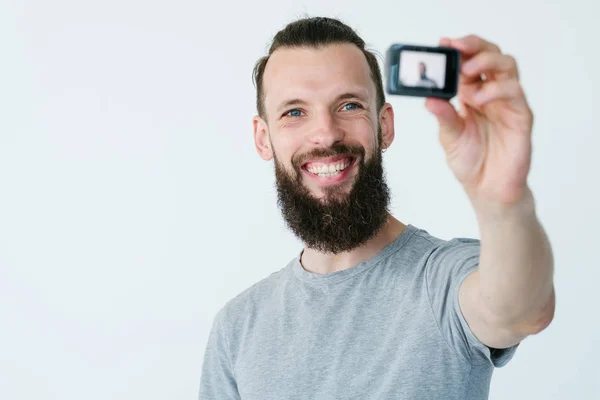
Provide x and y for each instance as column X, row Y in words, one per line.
column 329, row 170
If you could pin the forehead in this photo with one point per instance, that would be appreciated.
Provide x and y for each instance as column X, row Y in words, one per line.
column 307, row 73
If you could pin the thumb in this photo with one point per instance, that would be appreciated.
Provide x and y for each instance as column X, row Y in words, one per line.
column 451, row 124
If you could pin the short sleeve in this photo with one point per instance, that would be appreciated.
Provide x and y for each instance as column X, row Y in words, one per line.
column 447, row 267
column 217, row 381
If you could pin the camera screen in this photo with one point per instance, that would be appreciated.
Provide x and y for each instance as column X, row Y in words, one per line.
column 422, row 69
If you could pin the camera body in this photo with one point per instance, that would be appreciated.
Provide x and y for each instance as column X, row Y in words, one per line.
column 422, row 71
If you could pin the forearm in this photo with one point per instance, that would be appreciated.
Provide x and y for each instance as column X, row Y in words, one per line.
column 516, row 263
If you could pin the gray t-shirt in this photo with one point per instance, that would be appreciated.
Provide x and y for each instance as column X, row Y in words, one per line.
column 388, row 328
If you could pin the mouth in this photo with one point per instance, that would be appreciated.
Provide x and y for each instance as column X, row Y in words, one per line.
column 330, row 170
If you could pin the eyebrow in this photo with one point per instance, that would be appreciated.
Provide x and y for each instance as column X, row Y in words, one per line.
column 345, row 96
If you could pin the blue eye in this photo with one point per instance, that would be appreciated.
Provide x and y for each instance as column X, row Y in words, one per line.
column 353, row 106
column 294, row 113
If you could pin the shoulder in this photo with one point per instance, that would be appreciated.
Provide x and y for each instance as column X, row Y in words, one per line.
column 445, row 254
column 422, row 251
column 254, row 297
column 439, row 245
column 435, row 246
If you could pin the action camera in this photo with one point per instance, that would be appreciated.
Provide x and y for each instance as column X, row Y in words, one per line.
column 413, row 70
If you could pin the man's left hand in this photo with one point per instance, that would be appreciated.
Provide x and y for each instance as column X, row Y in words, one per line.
column 488, row 141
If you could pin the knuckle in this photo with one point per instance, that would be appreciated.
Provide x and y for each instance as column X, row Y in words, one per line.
column 488, row 56
column 511, row 61
column 473, row 39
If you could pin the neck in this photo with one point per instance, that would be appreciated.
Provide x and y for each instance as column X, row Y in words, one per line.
column 323, row 263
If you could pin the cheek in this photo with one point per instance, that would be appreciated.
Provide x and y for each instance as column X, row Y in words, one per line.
column 362, row 130
column 287, row 142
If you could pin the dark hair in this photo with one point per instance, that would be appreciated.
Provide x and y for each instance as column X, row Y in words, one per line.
column 316, row 32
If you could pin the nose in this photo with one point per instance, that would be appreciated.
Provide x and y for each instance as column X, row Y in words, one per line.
column 325, row 131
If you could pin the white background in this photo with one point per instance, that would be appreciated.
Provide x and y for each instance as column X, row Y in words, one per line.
column 409, row 67
column 133, row 204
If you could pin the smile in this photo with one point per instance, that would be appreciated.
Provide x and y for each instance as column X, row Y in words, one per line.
column 331, row 171
column 328, row 169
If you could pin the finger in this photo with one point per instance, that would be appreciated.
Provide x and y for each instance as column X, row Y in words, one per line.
column 445, row 41
column 465, row 79
column 466, row 94
column 450, row 123
column 498, row 90
column 470, row 46
column 500, row 65
column 473, row 44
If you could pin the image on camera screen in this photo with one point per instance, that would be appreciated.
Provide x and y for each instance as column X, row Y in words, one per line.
column 422, row 69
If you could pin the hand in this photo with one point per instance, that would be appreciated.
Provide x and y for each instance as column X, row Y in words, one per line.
column 488, row 141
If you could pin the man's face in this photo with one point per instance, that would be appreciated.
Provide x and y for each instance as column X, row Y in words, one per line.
column 422, row 69
column 325, row 135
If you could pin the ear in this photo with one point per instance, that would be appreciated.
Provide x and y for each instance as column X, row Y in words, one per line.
column 386, row 118
column 261, row 138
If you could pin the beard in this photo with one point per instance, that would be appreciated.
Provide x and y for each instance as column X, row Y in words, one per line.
column 340, row 221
